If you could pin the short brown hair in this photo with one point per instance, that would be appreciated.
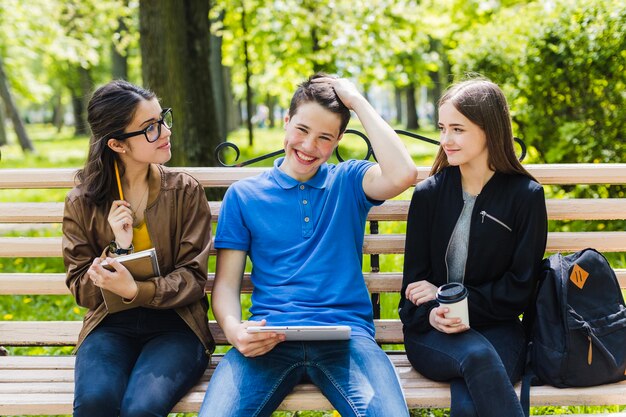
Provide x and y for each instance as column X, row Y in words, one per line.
column 322, row 94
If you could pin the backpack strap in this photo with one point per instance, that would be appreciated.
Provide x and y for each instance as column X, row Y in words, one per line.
column 525, row 393
column 529, row 378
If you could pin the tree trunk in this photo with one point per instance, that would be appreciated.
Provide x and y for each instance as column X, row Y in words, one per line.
column 412, row 123
column 398, row 94
column 11, row 108
column 270, row 102
column 233, row 113
column 249, row 106
column 119, row 65
column 437, row 77
column 81, row 94
column 219, row 86
column 57, row 112
column 119, row 61
column 3, row 132
column 175, row 50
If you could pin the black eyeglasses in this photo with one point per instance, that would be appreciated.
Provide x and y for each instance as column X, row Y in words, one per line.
column 153, row 131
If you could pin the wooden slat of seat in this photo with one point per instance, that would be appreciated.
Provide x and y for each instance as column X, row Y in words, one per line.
column 65, row 333
column 33, row 283
column 54, row 283
column 578, row 173
column 54, row 391
column 29, row 247
column 586, row 209
column 392, row 210
column 36, row 362
column 52, row 212
column 19, row 212
column 223, row 177
column 64, row 177
column 557, row 242
column 574, row 241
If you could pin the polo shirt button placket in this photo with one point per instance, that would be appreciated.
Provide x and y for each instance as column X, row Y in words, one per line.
column 307, row 225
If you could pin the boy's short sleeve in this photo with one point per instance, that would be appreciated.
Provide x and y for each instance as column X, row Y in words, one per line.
column 232, row 232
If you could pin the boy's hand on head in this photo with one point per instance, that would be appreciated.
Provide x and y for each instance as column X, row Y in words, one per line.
column 345, row 89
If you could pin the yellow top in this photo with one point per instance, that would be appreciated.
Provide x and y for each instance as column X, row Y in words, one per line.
column 141, row 238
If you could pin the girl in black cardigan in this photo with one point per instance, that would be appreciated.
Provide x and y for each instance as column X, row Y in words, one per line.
column 480, row 220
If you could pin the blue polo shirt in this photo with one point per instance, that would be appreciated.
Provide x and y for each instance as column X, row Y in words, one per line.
column 305, row 242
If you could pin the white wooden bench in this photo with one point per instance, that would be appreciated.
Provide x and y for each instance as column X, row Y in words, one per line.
column 43, row 385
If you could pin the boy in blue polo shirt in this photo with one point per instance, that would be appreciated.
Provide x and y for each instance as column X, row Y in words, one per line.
column 302, row 225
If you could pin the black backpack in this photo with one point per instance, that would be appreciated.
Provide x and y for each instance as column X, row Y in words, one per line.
column 578, row 331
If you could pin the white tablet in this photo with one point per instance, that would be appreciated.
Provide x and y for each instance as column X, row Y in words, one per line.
column 310, row 333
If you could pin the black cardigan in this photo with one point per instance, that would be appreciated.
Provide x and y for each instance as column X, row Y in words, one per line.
column 506, row 245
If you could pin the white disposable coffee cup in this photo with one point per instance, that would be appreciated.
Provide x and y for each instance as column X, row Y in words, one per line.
column 454, row 297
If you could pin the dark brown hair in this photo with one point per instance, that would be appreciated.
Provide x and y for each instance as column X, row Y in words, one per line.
column 322, row 94
column 484, row 104
column 110, row 110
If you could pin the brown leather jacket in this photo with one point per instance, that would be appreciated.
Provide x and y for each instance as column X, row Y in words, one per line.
column 179, row 224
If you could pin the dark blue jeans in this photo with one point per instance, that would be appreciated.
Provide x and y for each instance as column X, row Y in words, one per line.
column 137, row 362
column 481, row 364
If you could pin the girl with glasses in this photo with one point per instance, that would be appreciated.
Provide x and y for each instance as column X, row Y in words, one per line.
column 142, row 359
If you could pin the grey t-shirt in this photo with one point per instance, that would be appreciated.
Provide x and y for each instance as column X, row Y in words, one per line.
column 456, row 256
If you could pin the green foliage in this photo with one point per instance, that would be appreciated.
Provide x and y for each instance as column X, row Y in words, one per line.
column 564, row 69
column 44, row 41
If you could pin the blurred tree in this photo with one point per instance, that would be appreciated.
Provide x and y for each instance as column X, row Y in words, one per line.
column 119, row 53
column 3, row 132
column 175, row 53
column 7, row 98
column 51, row 45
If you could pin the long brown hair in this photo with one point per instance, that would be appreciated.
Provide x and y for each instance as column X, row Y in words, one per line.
column 110, row 110
column 484, row 104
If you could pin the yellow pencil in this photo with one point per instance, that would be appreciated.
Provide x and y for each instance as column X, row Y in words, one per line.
column 119, row 183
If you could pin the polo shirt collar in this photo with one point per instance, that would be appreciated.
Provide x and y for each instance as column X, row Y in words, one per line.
column 287, row 182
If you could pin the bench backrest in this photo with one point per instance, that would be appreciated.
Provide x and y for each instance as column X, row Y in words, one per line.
column 21, row 215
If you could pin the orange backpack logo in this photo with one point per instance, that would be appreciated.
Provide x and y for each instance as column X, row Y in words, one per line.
column 578, row 276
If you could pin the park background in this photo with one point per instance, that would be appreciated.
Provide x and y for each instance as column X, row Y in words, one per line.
column 229, row 67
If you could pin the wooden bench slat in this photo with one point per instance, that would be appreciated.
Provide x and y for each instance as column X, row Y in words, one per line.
column 392, row 210
column 37, row 213
column 586, row 209
column 31, row 212
column 65, row 333
column 557, row 242
column 57, row 394
column 30, row 247
column 223, row 177
column 54, row 283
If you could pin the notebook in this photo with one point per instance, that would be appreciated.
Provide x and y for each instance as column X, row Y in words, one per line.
column 306, row 333
column 142, row 265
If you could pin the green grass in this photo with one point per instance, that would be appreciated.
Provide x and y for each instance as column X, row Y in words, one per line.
column 62, row 150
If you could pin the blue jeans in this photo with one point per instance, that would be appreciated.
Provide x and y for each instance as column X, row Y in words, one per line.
column 481, row 365
column 355, row 375
column 137, row 362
